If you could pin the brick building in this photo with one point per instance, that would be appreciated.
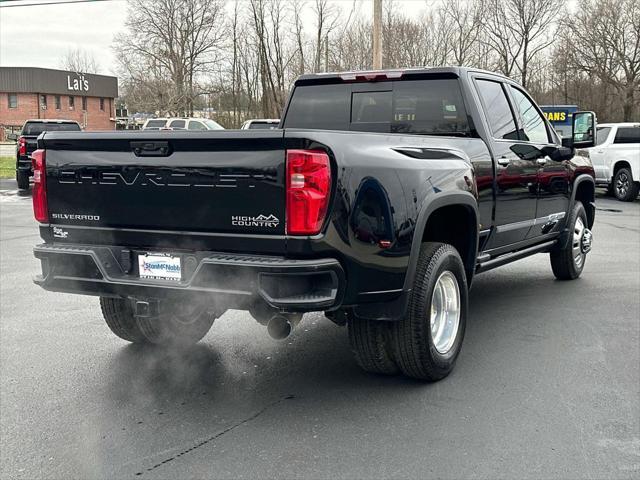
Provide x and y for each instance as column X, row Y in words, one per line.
column 27, row 92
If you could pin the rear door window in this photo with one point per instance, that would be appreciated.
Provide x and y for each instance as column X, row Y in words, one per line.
column 498, row 111
column 177, row 124
column 627, row 135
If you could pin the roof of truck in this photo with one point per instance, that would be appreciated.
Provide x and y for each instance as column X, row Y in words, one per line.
column 49, row 120
column 390, row 74
column 620, row 124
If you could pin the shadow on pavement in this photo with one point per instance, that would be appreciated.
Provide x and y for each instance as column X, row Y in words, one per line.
column 320, row 360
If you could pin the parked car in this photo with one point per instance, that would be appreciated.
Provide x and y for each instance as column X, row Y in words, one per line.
column 26, row 144
column 616, row 159
column 181, row 124
column 379, row 201
column 261, row 124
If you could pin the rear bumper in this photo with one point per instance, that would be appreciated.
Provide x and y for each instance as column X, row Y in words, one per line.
column 228, row 280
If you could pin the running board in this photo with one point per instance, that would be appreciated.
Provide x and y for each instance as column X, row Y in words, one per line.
column 484, row 265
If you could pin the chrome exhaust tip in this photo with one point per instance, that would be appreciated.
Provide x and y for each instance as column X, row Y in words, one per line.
column 280, row 326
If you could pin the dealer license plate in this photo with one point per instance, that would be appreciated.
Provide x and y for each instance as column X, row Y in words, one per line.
column 159, row 266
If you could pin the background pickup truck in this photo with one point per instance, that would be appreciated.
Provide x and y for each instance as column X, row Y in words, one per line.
column 377, row 203
column 26, row 144
column 616, row 159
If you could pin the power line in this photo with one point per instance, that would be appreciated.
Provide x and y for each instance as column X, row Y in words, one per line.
column 62, row 2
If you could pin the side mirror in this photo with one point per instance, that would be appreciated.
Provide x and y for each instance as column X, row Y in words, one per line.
column 558, row 154
column 584, row 130
column 12, row 136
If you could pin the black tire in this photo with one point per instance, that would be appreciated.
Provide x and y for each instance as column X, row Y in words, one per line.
column 624, row 188
column 609, row 191
column 563, row 262
column 171, row 328
column 371, row 344
column 415, row 352
column 22, row 179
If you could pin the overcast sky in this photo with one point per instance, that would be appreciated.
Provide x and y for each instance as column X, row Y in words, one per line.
column 40, row 36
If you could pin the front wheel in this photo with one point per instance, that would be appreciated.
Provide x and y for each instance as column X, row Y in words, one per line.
column 624, row 188
column 567, row 261
column 428, row 339
column 177, row 324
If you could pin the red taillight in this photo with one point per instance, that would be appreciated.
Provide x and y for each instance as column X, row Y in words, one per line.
column 39, row 194
column 308, row 189
column 22, row 146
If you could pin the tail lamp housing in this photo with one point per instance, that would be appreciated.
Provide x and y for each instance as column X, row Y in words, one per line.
column 308, row 191
column 39, row 194
column 22, row 146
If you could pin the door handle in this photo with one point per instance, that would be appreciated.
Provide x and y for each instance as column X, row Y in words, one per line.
column 542, row 161
column 600, row 151
column 504, row 161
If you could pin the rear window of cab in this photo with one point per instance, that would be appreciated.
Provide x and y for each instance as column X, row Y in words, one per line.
column 36, row 128
column 422, row 107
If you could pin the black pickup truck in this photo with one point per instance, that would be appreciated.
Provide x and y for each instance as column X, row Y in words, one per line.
column 26, row 144
column 378, row 200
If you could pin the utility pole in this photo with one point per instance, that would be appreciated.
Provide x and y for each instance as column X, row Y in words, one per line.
column 377, row 34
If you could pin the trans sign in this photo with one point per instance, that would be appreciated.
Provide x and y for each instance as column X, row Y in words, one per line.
column 560, row 117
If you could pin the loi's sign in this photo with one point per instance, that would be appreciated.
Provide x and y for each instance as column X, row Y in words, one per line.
column 77, row 84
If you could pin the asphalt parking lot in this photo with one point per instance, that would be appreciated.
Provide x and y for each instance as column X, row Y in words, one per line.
column 547, row 384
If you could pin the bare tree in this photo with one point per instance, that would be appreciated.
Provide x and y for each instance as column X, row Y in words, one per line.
column 174, row 40
column 79, row 60
column 518, row 31
column 241, row 57
column 465, row 21
column 327, row 19
column 604, row 42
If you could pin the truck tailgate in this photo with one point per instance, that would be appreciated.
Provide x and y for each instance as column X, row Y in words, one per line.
column 223, row 182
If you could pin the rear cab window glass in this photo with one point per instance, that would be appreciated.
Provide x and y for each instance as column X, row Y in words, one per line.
column 36, row 128
column 156, row 123
column 371, row 111
column 323, row 107
column 426, row 107
column 262, row 126
column 498, row 112
column 627, row 135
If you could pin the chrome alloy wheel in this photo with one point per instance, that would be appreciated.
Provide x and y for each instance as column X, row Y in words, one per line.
column 581, row 243
column 622, row 184
column 445, row 312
